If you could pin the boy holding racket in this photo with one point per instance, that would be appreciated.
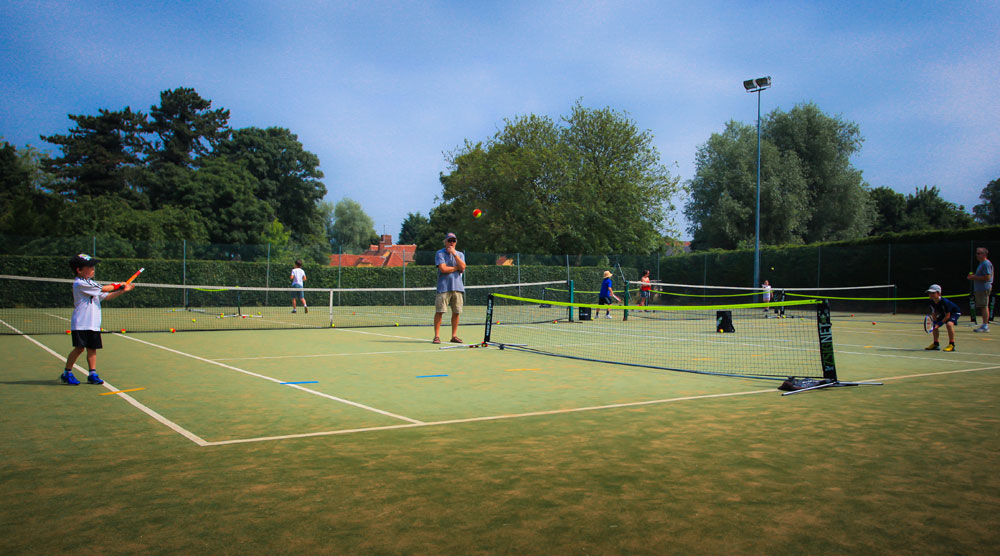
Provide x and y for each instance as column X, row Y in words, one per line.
column 606, row 293
column 945, row 313
column 85, row 326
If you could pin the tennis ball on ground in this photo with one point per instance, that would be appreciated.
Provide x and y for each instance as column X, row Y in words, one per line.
column 873, row 323
column 332, row 325
column 477, row 213
column 123, row 330
column 68, row 332
column 397, row 324
column 172, row 330
column 194, row 320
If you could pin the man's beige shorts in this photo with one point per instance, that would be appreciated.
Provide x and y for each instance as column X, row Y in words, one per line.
column 449, row 299
column 982, row 298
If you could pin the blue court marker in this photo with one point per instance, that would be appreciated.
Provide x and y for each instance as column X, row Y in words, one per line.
column 430, row 376
column 302, row 382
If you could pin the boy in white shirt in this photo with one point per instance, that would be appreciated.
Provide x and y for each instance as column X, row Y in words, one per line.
column 85, row 326
column 298, row 281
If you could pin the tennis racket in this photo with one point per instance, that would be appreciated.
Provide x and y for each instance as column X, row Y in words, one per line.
column 929, row 325
column 134, row 276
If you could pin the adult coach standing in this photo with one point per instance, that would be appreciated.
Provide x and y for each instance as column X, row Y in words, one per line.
column 982, row 283
column 450, row 287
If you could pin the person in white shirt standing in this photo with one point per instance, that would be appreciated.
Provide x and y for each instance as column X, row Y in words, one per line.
column 85, row 325
column 298, row 281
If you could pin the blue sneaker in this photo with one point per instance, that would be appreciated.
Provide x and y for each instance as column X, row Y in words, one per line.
column 94, row 379
column 69, row 378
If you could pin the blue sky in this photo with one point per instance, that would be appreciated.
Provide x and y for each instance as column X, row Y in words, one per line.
column 380, row 91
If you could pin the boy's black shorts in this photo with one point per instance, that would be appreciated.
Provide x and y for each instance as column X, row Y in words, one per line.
column 87, row 339
column 604, row 301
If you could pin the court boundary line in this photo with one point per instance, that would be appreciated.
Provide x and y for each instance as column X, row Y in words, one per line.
column 275, row 380
column 551, row 412
column 112, row 389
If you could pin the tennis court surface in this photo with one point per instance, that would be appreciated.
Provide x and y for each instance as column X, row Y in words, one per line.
column 374, row 441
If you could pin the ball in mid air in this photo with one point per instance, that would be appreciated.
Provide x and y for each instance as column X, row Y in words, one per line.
column 477, row 213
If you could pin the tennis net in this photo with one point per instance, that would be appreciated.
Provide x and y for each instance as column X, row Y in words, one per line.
column 843, row 300
column 730, row 340
column 32, row 305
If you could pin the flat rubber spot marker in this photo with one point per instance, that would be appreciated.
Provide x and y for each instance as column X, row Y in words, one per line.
column 120, row 391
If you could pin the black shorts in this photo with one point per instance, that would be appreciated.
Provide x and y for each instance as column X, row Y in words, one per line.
column 87, row 339
column 604, row 301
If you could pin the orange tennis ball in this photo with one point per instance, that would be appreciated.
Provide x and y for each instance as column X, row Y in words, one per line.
column 172, row 330
column 477, row 213
column 123, row 330
column 68, row 332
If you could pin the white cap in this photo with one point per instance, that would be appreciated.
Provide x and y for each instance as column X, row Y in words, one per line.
column 934, row 288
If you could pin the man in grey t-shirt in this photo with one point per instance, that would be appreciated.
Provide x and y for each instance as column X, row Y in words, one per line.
column 982, row 283
column 450, row 288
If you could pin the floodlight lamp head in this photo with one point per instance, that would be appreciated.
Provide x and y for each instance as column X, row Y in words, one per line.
column 758, row 84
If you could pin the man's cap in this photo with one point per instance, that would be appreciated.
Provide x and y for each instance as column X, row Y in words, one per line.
column 607, row 274
column 934, row 288
column 82, row 260
column 450, row 236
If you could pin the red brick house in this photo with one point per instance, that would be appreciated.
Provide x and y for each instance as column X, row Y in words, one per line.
column 384, row 254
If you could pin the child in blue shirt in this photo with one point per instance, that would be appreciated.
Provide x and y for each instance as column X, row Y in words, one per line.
column 945, row 313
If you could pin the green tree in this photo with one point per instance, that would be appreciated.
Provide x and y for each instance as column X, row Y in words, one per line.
column 841, row 205
column 988, row 212
column 414, row 228
column 723, row 193
column 27, row 206
column 352, row 228
column 926, row 210
column 890, row 210
column 185, row 127
column 594, row 184
column 101, row 155
column 809, row 189
column 287, row 175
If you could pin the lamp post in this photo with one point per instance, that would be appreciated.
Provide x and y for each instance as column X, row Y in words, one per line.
column 756, row 86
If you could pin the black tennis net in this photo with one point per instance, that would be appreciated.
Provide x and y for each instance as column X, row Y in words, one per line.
column 733, row 340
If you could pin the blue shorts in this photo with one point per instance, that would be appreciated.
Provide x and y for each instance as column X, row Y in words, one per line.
column 298, row 295
column 953, row 319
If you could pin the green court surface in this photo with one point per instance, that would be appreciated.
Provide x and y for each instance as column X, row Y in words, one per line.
column 375, row 452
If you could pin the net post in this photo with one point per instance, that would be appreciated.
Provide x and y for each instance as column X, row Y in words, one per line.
column 825, row 330
column 331, row 308
column 489, row 319
column 570, row 308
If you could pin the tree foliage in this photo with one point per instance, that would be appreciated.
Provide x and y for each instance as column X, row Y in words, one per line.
column 988, row 212
column 723, row 193
column 413, row 229
column 809, row 189
column 352, row 228
column 182, row 160
column 924, row 209
column 593, row 184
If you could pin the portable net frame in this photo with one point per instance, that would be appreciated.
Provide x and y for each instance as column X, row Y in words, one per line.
column 843, row 300
column 728, row 340
column 31, row 305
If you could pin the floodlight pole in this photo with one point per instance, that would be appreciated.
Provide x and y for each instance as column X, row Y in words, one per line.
column 756, row 86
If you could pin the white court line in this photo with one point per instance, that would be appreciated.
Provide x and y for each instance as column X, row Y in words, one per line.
column 170, row 424
column 326, row 355
column 555, row 412
column 265, row 377
column 489, row 418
